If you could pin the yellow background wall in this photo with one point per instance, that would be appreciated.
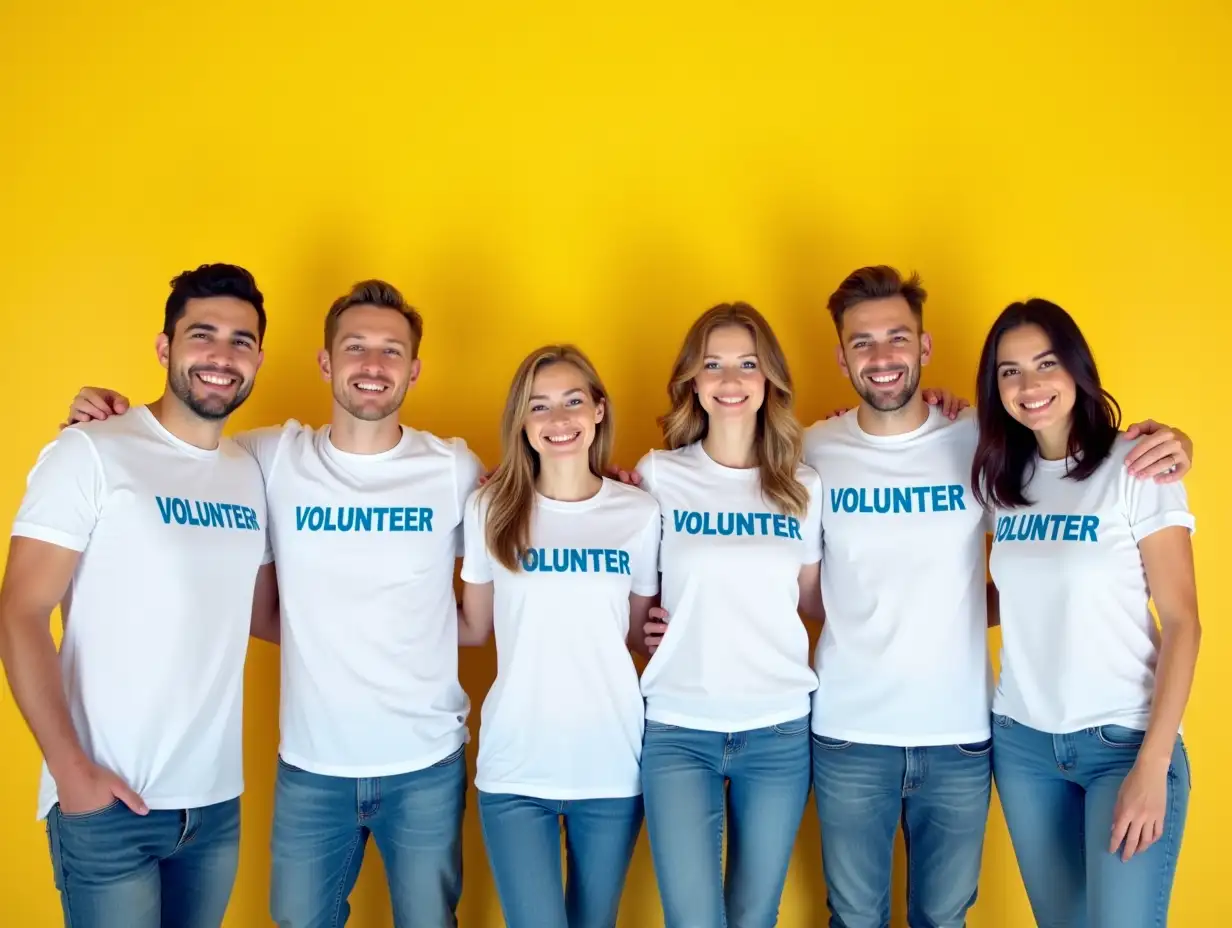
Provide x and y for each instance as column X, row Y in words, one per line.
column 534, row 172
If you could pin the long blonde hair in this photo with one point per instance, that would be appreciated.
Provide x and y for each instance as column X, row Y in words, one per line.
column 511, row 489
column 779, row 441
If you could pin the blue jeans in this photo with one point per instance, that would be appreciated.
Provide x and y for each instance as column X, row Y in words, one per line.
column 690, row 778
column 322, row 825
column 1058, row 793
column 522, row 835
column 165, row 869
column 940, row 794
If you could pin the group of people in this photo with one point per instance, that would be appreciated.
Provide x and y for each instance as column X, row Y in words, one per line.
column 166, row 546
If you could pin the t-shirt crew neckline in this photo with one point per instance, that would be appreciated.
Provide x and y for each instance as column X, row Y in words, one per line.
column 927, row 425
column 147, row 416
column 575, row 505
column 747, row 474
column 350, row 457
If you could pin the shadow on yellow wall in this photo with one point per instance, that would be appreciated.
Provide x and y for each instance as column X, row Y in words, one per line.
column 604, row 176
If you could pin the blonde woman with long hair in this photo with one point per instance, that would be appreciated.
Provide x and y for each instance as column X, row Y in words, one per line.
column 561, row 561
column 728, row 685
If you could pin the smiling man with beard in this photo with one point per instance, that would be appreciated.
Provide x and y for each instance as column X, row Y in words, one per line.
column 148, row 530
column 366, row 527
column 901, row 715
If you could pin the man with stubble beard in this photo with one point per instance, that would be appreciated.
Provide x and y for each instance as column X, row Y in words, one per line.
column 366, row 526
column 901, row 715
column 148, row 530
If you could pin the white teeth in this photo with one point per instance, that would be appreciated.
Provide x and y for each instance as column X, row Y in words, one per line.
column 370, row 387
column 884, row 378
column 562, row 439
column 730, row 400
column 217, row 380
column 1039, row 404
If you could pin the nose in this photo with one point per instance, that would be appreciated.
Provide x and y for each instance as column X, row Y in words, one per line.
column 222, row 353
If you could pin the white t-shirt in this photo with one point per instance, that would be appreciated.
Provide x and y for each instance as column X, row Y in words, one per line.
column 1078, row 641
column 160, row 606
column 735, row 655
column 563, row 719
column 366, row 546
column 903, row 655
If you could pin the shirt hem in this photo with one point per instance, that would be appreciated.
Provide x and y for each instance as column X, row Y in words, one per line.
column 684, row 720
column 1136, row 720
column 50, row 535
column 539, row 791
column 900, row 740
column 351, row 771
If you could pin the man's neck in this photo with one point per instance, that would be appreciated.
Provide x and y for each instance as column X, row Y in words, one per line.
column 185, row 424
column 907, row 418
column 568, row 481
column 358, row 436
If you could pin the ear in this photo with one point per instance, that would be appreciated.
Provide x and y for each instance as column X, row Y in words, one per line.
column 416, row 367
column 162, row 347
column 323, row 363
column 842, row 361
column 600, row 411
column 926, row 348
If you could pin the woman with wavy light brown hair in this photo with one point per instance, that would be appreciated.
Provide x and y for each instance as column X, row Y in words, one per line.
column 727, row 688
column 561, row 560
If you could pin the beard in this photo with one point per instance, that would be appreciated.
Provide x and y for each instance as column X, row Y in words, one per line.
column 891, row 402
column 379, row 406
column 207, row 406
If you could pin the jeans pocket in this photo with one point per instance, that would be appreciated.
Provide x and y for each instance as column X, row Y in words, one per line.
column 794, row 727
column 1002, row 721
column 1119, row 736
column 830, row 744
column 975, row 748
column 446, row 761
column 91, row 813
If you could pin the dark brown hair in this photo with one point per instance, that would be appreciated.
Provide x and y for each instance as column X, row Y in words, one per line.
column 374, row 293
column 1007, row 448
column 876, row 283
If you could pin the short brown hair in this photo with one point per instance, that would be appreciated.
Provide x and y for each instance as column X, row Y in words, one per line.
column 374, row 293
column 876, row 283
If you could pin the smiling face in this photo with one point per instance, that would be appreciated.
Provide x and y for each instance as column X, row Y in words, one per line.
column 1036, row 390
column 562, row 414
column 881, row 350
column 370, row 365
column 730, row 384
column 213, row 358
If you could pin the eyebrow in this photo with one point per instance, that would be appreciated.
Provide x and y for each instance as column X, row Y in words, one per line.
column 210, row 327
column 1041, row 355
column 894, row 331
column 540, row 396
column 719, row 358
column 362, row 337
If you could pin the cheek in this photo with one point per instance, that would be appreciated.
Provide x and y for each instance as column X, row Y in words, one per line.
column 1006, row 390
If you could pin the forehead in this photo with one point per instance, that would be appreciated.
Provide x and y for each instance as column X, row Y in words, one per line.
column 730, row 340
column 225, row 313
column 874, row 316
column 557, row 377
column 1024, row 341
column 373, row 322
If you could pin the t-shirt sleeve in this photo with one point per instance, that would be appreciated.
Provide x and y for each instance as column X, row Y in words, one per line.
column 476, row 563
column 645, row 470
column 467, row 471
column 1151, row 506
column 646, row 557
column 811, row 529
column 264, row 445
column 64, row 493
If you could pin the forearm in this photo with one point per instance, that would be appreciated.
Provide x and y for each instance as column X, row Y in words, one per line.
column 468, row 636
column 33, row 669
column 1174, row 674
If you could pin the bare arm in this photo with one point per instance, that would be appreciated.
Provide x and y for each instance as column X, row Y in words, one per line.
column 266, row 606
column 1167, row 556
column 994, row 604
column 811, row 606
column 35, row 581
column 475, row 614
column 639, row 617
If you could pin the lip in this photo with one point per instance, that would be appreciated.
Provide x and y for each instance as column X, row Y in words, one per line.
column 731, row 402
column 369, row 387
column 564, row 440
column 222, row 381
column 1037, row 406
column 886, row 380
